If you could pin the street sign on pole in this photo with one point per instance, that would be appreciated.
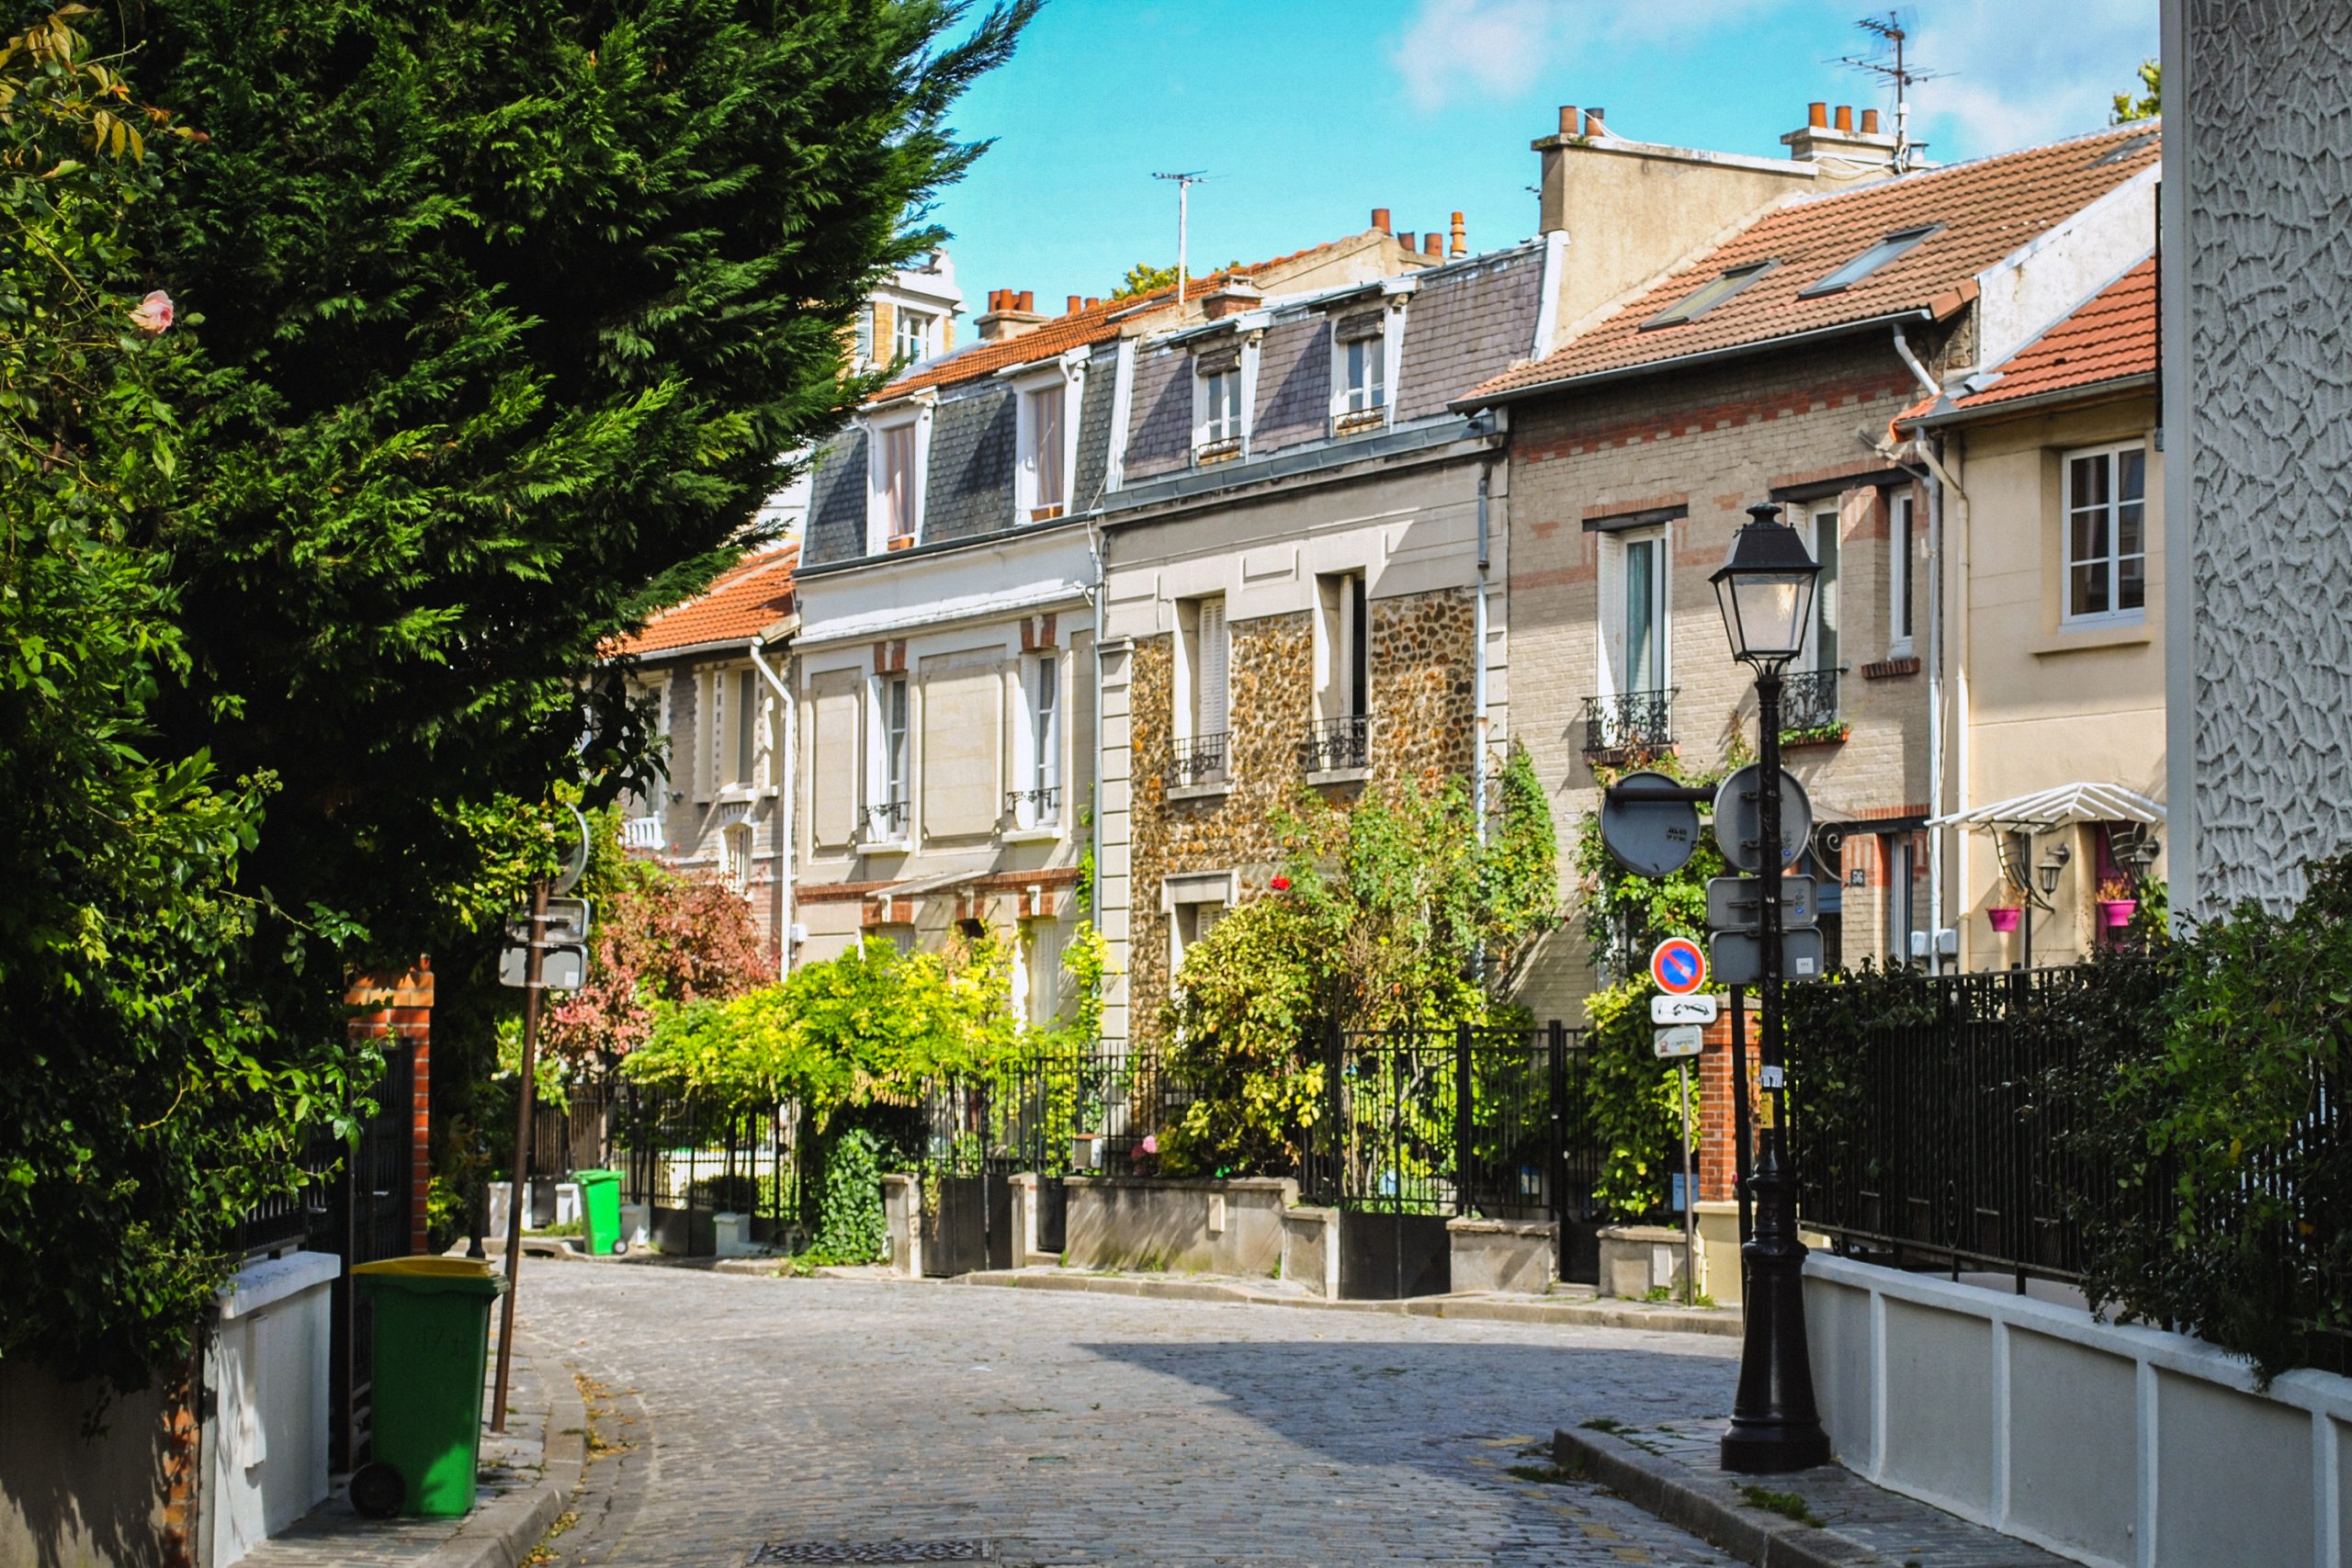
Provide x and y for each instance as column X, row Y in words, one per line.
column 1677, row 967
column 1734, row 903
column 1678, row 1040
column 1683, row 1009
column 1739, row 818
column 1738, row 957
column 1647, row 826
column 567, row 921
column 562, row 966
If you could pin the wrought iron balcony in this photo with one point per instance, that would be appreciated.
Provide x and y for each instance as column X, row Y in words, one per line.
column 1335, row 743
column 1196, row 759
column 1809, row 701
column 886, row 822
column 1638, row 723
column 1033, row 807
column 641, row 833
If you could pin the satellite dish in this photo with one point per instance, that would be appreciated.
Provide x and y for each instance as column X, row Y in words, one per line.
column 1739, row 822
column 1648, row 838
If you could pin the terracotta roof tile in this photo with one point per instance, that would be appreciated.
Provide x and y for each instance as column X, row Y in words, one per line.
column 1987, row 210
column 745, row 599
column 2108, row 337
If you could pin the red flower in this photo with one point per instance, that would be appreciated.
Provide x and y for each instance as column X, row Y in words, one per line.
column 1280, row 885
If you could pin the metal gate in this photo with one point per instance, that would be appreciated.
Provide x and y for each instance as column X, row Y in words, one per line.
column 358, row 1210
column 965, row 1219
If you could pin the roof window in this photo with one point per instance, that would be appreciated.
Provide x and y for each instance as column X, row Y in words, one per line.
column 1707, row 295
column 1898, row 244
column 2117, row 155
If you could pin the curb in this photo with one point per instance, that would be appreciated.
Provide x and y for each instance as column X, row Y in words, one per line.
column 1459, row 1308
column 1710, row 1511
column 502, row 1534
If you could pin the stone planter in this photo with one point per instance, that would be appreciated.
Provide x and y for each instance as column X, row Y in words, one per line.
column 637, row 1223
column 1638, row 1259
column 731, row 1235
column 1311, row 1249
column 1201, row 1227
column 1516, row 1255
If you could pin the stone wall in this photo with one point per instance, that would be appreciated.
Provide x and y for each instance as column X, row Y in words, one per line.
column 1423, row 728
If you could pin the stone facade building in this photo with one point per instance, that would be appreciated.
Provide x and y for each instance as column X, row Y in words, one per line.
column 1770, row 367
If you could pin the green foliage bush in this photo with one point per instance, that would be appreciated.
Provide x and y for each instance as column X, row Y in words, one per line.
column 1629, row 1101
column 851, row 1226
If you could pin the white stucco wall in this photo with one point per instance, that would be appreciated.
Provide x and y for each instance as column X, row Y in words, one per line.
column 266, row 1443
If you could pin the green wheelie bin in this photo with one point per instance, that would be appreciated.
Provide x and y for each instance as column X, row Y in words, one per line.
column 432, row 1349
column 600, row 1209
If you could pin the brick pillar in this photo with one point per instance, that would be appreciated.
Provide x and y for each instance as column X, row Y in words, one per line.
column 183, row 1449
column 402, row 1006
column 1718, row 1140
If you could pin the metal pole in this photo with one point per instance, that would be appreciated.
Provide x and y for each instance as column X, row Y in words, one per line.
column 1690, row 1197
column 1774, row 1425
column 1742, row 1125
column 518, row 1192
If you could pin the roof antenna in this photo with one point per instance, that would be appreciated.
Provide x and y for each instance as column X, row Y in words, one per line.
column 1889, row 31
column 1186, row 181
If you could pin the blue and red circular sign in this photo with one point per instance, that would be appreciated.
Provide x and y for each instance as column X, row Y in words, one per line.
column 1678, row 966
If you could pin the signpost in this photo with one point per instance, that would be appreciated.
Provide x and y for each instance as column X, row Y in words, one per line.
column 1683, row 1009
column 1677, row 967
column 1678, row 1042
column 1738, row 957
column 1739, row 817
column 1650, row 823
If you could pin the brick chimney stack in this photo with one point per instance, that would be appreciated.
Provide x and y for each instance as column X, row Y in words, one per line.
column 1231, row 298
column 1009, row 314
column 1844, row 155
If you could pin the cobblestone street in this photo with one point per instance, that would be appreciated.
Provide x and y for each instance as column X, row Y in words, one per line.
column 746, row 1420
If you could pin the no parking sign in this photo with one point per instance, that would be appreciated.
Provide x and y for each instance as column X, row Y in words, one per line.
column 1678, row 966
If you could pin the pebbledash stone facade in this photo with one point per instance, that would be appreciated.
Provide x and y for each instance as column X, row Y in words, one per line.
column 1423, row 729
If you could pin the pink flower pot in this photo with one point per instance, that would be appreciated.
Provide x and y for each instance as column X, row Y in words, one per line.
column 2118, row 911
column 2004, row 918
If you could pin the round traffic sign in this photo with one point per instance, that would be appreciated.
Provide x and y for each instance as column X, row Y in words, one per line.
column 1678, row 966
column 1739, row 819
column 1648, row 838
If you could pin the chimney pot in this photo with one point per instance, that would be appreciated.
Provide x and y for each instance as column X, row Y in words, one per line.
column 1071, row 309
column 996, row 298
column 1405, row 239
column 1592, row 122
column 1818, row 116
column 1431, row 245
column 1569, row 124
column 1461, row 237
column 1380, row 218
column 1092, row 301
column 1844, row 117
column 1029, row 299
column 1869, row 122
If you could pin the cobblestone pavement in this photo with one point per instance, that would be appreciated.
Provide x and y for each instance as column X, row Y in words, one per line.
column 747, row 1419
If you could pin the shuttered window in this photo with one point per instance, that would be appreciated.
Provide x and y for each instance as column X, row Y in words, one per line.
column 1209, row 670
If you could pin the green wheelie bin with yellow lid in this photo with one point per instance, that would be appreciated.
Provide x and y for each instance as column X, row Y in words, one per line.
column 431, row 1349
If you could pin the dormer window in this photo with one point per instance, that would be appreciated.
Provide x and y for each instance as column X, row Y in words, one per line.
column 1360, row 348
column 1893, row 247
column 1709, row 294
column 1041, row 475
column 915, row 334
column 1219, row 403
column 894, row 458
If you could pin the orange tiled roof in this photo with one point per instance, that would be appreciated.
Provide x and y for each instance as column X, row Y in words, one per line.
column 1987, row 209
column 2108, row 337
column 746, row 599
column 1089, row 324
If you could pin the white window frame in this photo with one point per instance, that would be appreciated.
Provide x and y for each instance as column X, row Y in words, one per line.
column 735, row 857
column 2111, row 454
column 1213, row 425
column 1042, row 1001
column 1067, row 380
column 1039, row 750
column 1826, row 597
column 1613, row 655
column 912, row 346
column 879, row 774
column 1345, row 406
column 1342, row 645
column 1190, row 661
column 863, row 326
column 917, row 417
column 1187, row 899
column 1902, row 583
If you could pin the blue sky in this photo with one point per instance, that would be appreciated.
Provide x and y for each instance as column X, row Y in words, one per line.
column 1309, row 113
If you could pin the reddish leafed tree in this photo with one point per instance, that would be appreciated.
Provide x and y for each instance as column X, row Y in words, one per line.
column 658, row 937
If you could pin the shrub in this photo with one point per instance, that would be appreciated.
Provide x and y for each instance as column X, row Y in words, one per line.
column 851, row 1226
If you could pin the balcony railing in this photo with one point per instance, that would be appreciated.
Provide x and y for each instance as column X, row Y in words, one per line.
column 641, row 833
column 886, row 822
column 1033, row 807
column 1196, row 759
column 1630, row 722
column 1809, row 699
column 1332, row 744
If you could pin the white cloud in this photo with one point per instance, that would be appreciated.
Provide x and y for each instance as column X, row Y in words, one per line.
column 2008, row 86
column 1500, row 47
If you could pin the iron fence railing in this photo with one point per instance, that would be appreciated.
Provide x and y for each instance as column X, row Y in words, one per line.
column 697, row 1160
column 1629, row 721
column 1196, row 758
column 1031, row 808
column 1335, row 743
column 886, row 819
column 1809, row 699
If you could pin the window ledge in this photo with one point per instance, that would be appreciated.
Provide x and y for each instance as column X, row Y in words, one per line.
column 1362, row 419
column 1208, row 789
column 1339, row 776
column 1893, row 665
column 885, row 847
column 1040, row 835
column 2077, row 639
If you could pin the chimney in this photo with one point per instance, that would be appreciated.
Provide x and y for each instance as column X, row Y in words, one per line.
column 1072, row 307
column 1841, row 154
column 1592, row 125
column 1405, row 239
column 1380, row 218
column 1092, row 301
column 1569, row 124
column 1431, row 245
column 1231, row 298
column 1009, row 314
column 1461, row 238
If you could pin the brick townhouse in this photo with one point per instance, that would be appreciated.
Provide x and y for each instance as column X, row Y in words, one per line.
column 1768, row 366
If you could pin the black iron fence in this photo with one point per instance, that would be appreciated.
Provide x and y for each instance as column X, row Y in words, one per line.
column 1809, row 699
column 1332, row 744
column 1629, row 721
column 1196, row 758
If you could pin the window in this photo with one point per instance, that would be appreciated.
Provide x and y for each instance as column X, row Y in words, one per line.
column 1043, row 454
column 2106, row 540
column 1343, row 655
column 1220, row 407
column 1706, row 297
column 1821, row 638
column 865, row 336
column 887, row 791
column 912, row 334
column 1898, row 857
column 1036, row 793
column 1886, row 251
column 1201, row 653
column 1195, row 905
column 1634, row 621
column 735, row 852
column 747, row 717
column 1901, row 536
column 894, row 451
column 1044, row 965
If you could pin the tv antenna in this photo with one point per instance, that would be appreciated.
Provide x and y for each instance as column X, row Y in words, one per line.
column 1892, row 35
column 1186, row 181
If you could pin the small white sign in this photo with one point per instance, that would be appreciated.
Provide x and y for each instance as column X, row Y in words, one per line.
column 1680, row 1039
column 1768, row 1077
column 1683, row 1009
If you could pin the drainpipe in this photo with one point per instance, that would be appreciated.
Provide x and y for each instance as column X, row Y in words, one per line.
column 1939, row 480
column 786, row 819
column 1478, row 680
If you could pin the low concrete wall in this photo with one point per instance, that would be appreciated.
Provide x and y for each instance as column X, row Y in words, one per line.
column 1504, row 1254
column 1024, row 1221
column 103, row 1502
column 1638, row 1259
column 1719, row 1272
column 1311, row 1249
column 1207, row 1227
column 2120, row 1447
column 902, row 1209
column 266, row 1443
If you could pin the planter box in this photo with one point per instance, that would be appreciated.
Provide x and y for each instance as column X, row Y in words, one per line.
column 637, row 1223
column 1638, row 1259
column 1311, row 1249
column 902, row 1209
column 1518, row 1255
column 1201, row 1227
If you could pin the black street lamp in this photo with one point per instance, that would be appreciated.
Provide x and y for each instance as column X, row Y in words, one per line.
column 1765, row 587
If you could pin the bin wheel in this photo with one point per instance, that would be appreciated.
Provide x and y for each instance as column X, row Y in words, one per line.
column 619, row 1248
column 377, row 1491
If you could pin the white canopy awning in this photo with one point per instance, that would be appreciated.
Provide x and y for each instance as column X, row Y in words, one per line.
column 2048, row 808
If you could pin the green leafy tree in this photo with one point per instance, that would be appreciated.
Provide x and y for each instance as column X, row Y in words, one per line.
column 2149, row 103
column 1144, row 278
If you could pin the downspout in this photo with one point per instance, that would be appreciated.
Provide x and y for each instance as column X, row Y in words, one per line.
column 1939, row 480
column 787, row 819
column 1481, row 721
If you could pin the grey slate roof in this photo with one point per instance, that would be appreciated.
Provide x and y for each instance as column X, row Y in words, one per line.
column 1094, row 404
column 1159, row 432
column 969, row 492
column 1293, row 384
column 837, row 501
column 1465, row 324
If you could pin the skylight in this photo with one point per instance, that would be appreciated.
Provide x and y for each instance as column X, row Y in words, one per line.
column 1707, row 295
column 1870, row 261
column 2117, row 155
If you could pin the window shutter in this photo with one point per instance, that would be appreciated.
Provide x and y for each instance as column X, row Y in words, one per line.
column 1211, row 674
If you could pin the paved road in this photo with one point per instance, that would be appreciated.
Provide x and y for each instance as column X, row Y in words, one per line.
column 749, row 1420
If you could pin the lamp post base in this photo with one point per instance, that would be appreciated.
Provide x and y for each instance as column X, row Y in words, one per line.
column 1775, row 1426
